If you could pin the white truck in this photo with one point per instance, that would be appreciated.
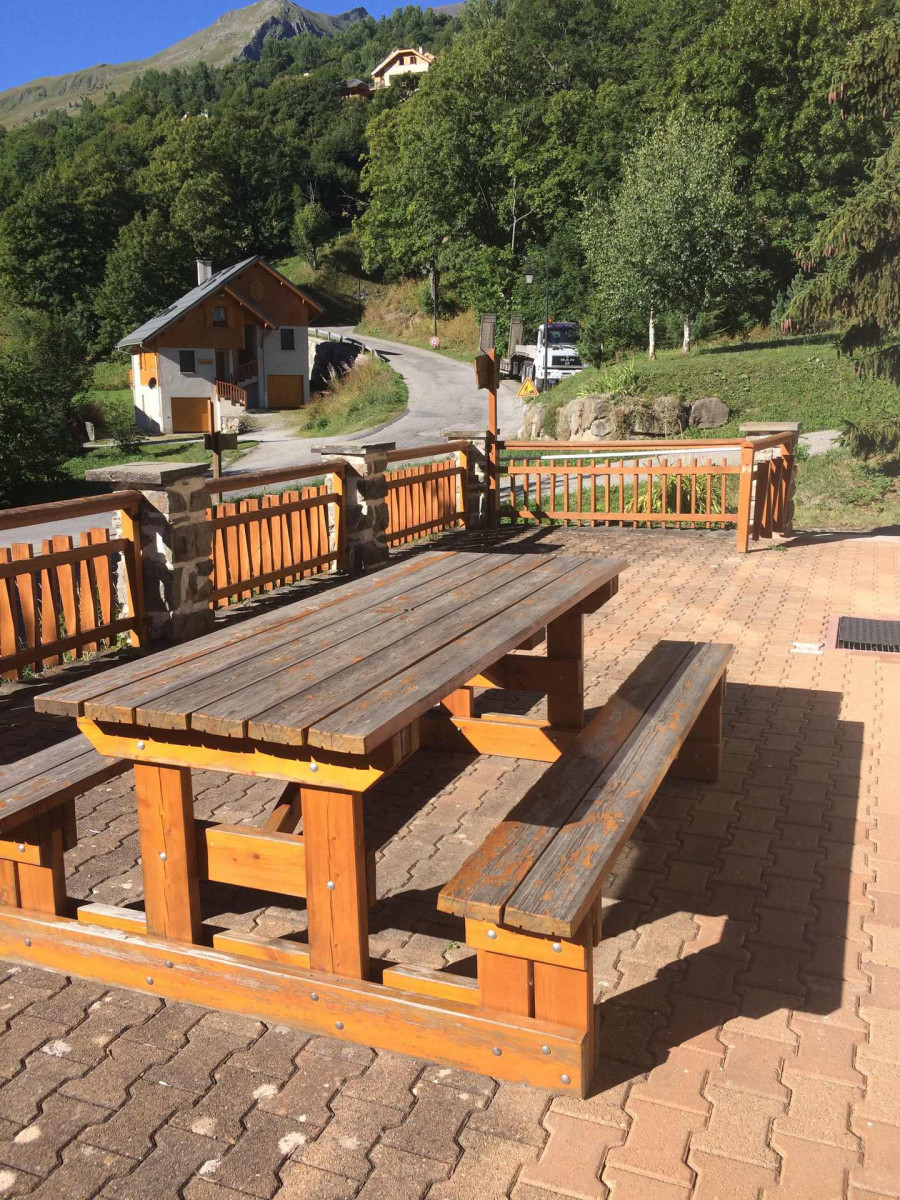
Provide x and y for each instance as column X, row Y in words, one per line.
column 526, row 361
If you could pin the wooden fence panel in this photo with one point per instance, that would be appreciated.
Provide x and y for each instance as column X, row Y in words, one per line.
column 425, row 499
column 60, row 602
column 266, row 542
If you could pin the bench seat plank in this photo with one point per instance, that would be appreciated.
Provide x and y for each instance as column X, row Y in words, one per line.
column 43, row 781
column 486, row 881
column 557, row 894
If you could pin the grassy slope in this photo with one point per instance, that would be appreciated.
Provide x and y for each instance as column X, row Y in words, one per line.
column 835, row 491
column 789, row 382
column 394, row 314
column 367, row 396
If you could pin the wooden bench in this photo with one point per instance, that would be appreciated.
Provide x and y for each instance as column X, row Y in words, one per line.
column 37, row 819
column 531, row 894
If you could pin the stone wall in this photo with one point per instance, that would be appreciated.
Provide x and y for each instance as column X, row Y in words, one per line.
column 603, row 416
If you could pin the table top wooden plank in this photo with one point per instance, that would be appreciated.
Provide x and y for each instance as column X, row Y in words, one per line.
column 436, row 624
column 70, row 700
column 218, row 702
column 483, row 885
column 166, row 699
column 507, row 618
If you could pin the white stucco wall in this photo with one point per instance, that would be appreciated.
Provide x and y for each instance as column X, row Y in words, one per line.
column 173, row 383
column 147, row 401
column 276, row 361
column 407, row 68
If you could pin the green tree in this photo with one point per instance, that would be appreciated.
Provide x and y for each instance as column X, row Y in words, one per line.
column 42, row 368
column 311, row 228
column 675, row 232
column 856, row 252
column 150, row 264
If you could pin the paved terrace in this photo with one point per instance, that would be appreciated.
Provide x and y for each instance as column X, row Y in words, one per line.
column 748, row 988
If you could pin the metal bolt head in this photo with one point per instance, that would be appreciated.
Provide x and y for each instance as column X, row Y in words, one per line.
column 330, row 885
column 21, row 847
column 565, row 1079
column 492, row 934
column 163, row 856
column 28, row 941
column 142, row 745
column 313, row 995
column 339, row 1024
column 169, row 963
column 149, row 978
column 545, row 1049
column 313, row 767
column 557, row 948
column 497, row 1051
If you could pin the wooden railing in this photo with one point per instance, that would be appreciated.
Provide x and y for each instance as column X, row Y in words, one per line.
column 231, row 392
column 63, row 600
column 261, row 543
column 686, row 484
column 428, row 497
column 246, row 370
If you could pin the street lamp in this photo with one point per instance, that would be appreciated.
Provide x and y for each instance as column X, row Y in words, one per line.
column 529, row 279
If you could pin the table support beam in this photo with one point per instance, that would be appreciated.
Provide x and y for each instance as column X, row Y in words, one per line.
column 337, row 891
column 165, row 808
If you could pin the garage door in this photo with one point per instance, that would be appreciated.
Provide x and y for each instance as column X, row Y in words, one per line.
column 190, row 414
column 284, row 391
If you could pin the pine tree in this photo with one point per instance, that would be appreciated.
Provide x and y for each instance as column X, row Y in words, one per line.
column 854, row 258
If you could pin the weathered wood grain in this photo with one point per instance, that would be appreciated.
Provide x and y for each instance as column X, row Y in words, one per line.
column 559, row 890
column 69, row 701
column 50, row 778
column 482, row 886
column 524, row 606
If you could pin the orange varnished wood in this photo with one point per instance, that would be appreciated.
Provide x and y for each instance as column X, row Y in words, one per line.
column 168, row 851
column 246, row 857
column 335, row 854
column 505, row 983
column 425, row 981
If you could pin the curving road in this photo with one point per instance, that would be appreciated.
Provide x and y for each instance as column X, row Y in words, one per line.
column 442, row 395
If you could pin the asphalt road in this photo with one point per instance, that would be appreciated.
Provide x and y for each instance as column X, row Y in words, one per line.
column 442, row 395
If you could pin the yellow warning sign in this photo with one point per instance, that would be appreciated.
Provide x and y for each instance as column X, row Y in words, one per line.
column 527, row 389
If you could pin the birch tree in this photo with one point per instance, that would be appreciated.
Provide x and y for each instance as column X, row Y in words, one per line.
column 674, row 235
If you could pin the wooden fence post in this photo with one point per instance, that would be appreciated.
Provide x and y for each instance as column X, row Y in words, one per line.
column 745, row 496
column 478, row 473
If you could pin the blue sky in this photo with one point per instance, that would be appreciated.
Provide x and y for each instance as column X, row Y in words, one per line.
column 37, row 39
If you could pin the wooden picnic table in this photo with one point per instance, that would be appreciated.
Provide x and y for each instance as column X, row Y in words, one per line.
column 329, row 694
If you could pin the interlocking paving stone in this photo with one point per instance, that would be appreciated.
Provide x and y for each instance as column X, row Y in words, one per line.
column 748, row 982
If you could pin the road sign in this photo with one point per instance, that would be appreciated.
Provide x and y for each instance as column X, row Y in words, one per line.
column 435, row 342
column 527, row 389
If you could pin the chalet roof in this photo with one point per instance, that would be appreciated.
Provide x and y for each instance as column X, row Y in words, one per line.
column 385, row 62
column 162, row 320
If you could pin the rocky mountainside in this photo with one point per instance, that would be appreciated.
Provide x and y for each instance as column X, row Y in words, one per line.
column 238, row 34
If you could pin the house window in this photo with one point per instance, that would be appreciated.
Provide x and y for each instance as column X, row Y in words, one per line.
column 220, row 316
column 287, row 339
column 187, row 362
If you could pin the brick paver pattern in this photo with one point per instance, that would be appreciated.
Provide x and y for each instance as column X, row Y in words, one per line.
column 748, row 985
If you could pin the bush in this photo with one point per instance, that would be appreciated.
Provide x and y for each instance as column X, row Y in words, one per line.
column 366, row 395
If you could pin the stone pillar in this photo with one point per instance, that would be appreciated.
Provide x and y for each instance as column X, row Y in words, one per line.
column 176, row 546
column 365, row 498
column 478, row 472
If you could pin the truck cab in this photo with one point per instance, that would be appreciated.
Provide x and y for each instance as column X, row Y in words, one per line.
column 558, row 344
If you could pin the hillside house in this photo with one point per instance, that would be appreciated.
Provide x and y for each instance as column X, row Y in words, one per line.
column 401, row 62
column 239, row 339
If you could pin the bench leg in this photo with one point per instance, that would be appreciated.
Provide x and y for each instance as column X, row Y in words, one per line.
column 506, row 983
column 565, row 995
column 700, row 756
column 460, row 703
column 565, row 640
column 43, row 889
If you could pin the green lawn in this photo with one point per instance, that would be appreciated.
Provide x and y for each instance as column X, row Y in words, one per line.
column 836, row 491
column 368, row 395
column 793, row 381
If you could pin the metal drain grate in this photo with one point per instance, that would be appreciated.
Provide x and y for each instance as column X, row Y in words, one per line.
column 858, row 633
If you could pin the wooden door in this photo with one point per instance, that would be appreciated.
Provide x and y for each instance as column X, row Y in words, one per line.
column 222, row 371
column 284, row 391
column 190, row 414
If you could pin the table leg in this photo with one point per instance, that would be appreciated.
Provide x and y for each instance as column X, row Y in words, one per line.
column 336, row 892
column 165, row 808
column 565, row 640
